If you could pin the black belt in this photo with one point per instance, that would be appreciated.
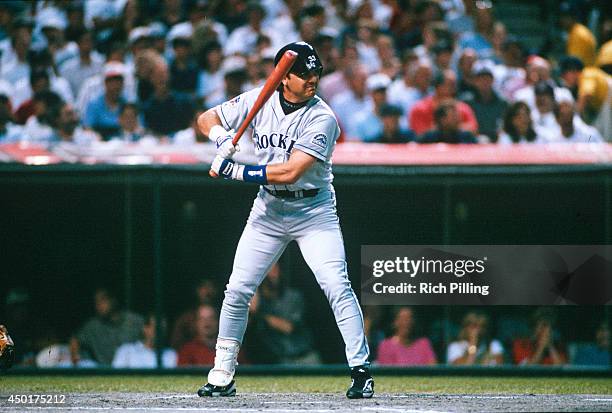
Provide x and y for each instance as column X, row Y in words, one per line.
column 282, row 193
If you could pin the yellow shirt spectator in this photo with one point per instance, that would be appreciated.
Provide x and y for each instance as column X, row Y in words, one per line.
column 594, row 86
column 604, row 58
column 582, row 44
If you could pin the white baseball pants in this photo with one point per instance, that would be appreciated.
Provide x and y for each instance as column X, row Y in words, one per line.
column 313, row 223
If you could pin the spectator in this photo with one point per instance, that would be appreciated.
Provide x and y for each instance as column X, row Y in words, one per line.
column 88, row 63
column 102, row 113
column 466, row 73
column 40, row 127
column 480, row 40
column 14, row 60
column 278, row 314
column 39, row 82
column 200, row 350
column 52, row 26
column 572, row 127
column 385, row 48
column 412, row 87
column 234, row 79
column 101, row 335
column 337, row 82
column 392, row 131
column 597, row 353
column 595, row 94
column 352, row 101
column 366, row 31
column 487, row 105
column 190, row 135
column 205, row 26
column 210, row 78
column 130, row 129
column 421, row 116
column 448, row 128
column 183, row 68
column 52, row 352
column 538, row 70
column 541, row 347
column 142, row 353
column 166, row 112
column 518, row 126
column 403, row 349
column 242, row 40
column 75, row 24
column 9, row 132
column 69, row 130
column 472, row 346
column 434, row 33
column 510, row 75
column 206, row 294
column 41, row 60
column 442, row 54
column 570, row 68
column 580, row 41
column 368, row 122
column 498, row 39
column 543, row 116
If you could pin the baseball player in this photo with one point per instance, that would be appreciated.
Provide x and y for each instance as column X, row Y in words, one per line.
column 294, row 136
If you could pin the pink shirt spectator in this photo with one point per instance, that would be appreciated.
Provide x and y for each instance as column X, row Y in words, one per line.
column 421, row 117
column 419, row 352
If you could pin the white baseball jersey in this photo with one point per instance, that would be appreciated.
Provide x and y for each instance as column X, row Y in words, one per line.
column 312, row 129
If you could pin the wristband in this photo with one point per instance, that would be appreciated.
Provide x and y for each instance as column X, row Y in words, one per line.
column 255, row 173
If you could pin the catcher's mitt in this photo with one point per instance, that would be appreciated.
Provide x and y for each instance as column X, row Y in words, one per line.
column 7, row 349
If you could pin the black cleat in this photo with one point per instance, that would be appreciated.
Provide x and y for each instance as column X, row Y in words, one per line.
column 210, row 390
column 362, row 383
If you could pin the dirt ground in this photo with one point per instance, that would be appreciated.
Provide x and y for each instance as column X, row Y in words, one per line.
column 300, row 402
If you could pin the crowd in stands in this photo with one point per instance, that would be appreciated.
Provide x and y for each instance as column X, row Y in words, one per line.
column 278, row 333
column 394, row 70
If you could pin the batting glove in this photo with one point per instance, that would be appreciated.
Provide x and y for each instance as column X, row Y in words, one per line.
column 223, row 139
column 227, row 168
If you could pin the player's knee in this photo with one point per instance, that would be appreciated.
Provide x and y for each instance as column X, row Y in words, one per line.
column 335, row 283
column 238, row 295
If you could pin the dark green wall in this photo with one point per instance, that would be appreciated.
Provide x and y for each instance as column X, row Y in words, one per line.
column 66, row 229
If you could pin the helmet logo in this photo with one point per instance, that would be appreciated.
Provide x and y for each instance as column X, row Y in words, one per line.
column 311, row 63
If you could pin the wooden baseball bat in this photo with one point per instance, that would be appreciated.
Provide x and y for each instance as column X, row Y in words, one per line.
column 280, row 71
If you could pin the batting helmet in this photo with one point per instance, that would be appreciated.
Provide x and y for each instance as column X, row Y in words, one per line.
column 307, row 61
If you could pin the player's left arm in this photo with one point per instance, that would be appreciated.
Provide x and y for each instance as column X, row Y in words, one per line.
column 285, row 173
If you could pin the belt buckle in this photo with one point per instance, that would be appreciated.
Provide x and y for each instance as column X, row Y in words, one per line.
column 299, row 194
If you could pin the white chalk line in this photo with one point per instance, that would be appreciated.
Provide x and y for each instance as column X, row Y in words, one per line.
column 165, row 409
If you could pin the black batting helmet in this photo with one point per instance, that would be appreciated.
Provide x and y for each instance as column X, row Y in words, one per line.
column 307, row 60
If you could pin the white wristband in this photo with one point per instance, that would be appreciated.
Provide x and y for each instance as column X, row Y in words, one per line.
column 216, row 132
column 238, row 172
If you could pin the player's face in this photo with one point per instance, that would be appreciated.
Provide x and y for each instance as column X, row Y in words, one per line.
column 301, row 87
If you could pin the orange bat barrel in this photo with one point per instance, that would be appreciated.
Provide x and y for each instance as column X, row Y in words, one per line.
column 280, row 71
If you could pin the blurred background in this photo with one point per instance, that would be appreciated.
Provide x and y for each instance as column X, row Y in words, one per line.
column 463, row 122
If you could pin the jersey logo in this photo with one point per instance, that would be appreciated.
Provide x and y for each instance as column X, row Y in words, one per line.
column 234, row 101
column 255, row 173
column 320, row 140
column 274, row 140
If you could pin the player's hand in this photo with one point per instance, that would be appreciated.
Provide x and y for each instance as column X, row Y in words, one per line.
column 225, row 148
column 224, row 167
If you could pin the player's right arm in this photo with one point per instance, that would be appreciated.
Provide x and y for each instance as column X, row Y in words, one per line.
column 208, row 120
